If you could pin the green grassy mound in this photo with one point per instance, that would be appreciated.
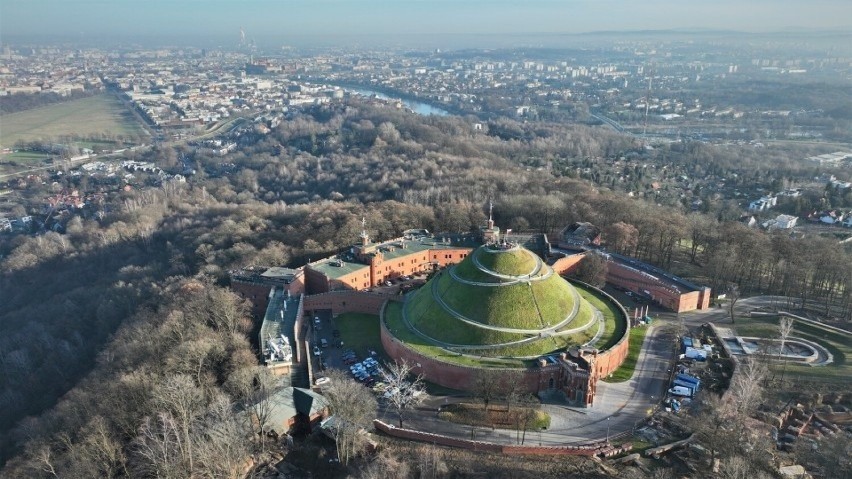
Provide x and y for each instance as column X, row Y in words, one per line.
column 513, row 262
column 467, row 270
column 536, row 305
column 397, row 327
column 532, row 306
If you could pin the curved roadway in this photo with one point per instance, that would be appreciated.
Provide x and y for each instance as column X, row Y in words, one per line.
column 618, row 407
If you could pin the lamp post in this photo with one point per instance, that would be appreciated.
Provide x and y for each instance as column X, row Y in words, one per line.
column 607, row 429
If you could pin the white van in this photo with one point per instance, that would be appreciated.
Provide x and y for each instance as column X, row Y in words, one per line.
column 681, row 391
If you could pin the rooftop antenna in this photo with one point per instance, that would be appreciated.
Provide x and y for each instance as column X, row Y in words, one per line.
column 365, row 238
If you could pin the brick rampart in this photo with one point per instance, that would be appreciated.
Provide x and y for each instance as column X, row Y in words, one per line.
column 346, row 302
column 257, row 294
column 568, row 264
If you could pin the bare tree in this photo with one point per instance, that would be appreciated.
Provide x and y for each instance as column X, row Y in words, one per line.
column 739, row 467
column 184, row 403
column 353, row 407
column 158, row 448
column 486, row 386
column 524, row 416
column 385, row 465
column 512, row 387
column 43, row 459
column 785, row 327
column 593, row 270
column 102, row 449
column 745, row 385
column 220, row 442
column 404, row 393
column 254, row 389
column 733, row 297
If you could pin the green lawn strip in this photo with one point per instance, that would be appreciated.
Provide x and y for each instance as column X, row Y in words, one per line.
column 614, row 324
column 432, row 320
column 475, row 415
column 625, row 372
column 508, row 306
column 25, row 156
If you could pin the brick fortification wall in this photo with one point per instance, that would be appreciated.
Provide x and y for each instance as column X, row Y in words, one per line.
column 662, row 293
column 611, row 359
column 568, row 263
column 346, row 302
column 258, row 294
column 598, row 449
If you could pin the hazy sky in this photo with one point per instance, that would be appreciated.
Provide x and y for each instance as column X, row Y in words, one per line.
column 271, row 18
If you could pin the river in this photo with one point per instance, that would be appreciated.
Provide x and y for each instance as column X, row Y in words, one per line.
column 415, row 106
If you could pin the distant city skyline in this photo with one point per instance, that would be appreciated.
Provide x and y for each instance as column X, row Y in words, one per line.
column 278, row 20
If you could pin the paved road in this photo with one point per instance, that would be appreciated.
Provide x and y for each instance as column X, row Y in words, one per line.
column 618, row 407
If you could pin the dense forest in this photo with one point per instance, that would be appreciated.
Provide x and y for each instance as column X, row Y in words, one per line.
column 119, row 335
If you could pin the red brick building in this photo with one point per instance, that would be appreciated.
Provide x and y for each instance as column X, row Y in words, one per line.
column 368, row 265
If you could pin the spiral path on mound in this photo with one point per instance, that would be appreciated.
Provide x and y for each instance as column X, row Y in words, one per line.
column 551, row 333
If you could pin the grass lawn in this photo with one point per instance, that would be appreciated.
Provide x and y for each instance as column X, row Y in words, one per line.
column 474, row 415
column 86, row 116
column 360, row 332
column 24, row 157
column 393, row 318
column 625, row 372
column 614, row 323
column 477, row 303
column 839, row 345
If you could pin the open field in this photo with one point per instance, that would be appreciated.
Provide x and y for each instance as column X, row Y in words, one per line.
column 86, row 116
column 838, row 345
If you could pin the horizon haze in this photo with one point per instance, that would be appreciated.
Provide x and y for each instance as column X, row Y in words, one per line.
column 378, row 21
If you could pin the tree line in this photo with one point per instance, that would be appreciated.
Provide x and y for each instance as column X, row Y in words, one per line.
column 119, row 341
